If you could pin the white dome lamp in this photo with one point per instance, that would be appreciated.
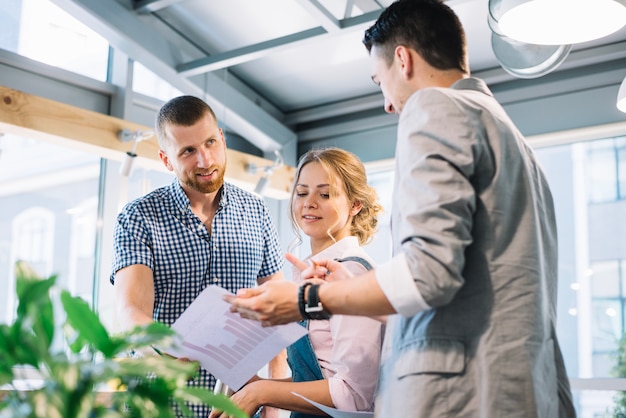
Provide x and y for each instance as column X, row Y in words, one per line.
column 558, row 22
column 621, row 97
column 525, row 60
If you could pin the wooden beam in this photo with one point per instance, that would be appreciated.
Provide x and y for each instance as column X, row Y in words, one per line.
column 43, row 119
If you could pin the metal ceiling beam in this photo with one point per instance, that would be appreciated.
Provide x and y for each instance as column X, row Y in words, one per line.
column 245, row 54
column 321, row 14
column 341, row 128
column 492, row 76
column 239, row 56
column 124, row 30
column 150, row 6
column 358, row 22
column 363, row 5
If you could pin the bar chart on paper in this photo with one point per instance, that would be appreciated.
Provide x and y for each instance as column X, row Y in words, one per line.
column 232, row 348
column 247, row 338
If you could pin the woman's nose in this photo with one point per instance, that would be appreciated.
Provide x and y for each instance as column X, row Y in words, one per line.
column 309, row 203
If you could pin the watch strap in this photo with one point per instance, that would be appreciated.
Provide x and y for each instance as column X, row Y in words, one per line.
column 301, row 301
column 314, row 308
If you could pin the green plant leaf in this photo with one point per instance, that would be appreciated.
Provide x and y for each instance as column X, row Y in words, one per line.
column 150, row 385
column 34, row 303
column 153, row 334
column 86, row 323
column 163, row 367
column 218, row 401
column 26, row 346
column 6, row 356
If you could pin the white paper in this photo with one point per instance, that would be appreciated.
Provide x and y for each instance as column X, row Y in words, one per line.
column 230, row 347
column 336, row 413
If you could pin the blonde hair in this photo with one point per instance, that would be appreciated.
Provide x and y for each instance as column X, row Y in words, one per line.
column 346, row 167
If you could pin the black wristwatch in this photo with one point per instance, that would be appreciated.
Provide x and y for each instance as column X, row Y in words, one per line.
column 313, row 307
column 301, row 301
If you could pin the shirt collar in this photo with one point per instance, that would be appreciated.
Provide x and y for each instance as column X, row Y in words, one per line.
column 338, row 249
column 182, row 201
column 472, row 83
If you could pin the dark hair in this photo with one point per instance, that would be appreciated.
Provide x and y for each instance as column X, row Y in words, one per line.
column 349, row 170
column 430, row 27
column 181, row 111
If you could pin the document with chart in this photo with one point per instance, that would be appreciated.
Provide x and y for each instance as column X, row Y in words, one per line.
column 232, row 348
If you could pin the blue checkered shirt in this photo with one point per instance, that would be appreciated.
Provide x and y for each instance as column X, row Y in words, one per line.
column 160, row 231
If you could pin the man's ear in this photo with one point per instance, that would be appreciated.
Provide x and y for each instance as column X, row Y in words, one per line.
column 166, row 161
column 405, row 60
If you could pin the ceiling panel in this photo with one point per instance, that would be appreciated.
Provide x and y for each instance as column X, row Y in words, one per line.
column 293, row 64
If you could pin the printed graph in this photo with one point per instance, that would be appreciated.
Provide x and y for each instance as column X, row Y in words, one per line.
column 248, row 337
column 228, row 346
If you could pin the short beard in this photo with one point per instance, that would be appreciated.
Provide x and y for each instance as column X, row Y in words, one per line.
column 210, row 187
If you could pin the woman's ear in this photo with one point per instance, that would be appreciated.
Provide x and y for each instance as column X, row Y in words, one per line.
column 356, row 207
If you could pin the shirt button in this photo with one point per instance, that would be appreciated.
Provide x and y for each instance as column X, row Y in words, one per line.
column 215, row 279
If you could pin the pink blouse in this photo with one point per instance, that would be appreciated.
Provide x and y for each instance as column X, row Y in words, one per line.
column 347, row 347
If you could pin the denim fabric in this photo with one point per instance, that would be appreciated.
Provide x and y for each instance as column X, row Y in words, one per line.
column 303, row 364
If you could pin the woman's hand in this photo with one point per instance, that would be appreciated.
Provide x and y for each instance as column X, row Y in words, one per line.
column 245, row 399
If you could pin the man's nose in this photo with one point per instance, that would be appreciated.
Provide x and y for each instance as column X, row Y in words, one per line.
column 389, row 107
column 204, row 158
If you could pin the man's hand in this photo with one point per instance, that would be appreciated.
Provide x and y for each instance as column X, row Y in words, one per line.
column 276, row 302
column 328, row 270
column 272, row 303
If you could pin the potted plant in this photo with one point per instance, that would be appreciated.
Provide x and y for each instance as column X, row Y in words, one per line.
column 93, row 377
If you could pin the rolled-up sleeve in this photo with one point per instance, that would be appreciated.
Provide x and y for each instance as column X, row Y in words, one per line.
column 396, row 281
column 356, row 358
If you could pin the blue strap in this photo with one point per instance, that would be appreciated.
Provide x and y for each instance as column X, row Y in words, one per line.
column 303, row 364
column 360, row 260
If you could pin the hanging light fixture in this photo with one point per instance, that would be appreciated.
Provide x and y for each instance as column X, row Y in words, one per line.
column 621, row 97
column 126, row 135
column 264, row 180
column 524, row 60
column 558, row 22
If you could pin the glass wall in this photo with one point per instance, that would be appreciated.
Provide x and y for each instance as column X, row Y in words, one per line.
column 588, row 182
column 48, row 215
column 40, row 30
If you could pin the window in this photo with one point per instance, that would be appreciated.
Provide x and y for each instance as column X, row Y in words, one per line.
column 148, row 83
column 607, row 170
column 49, row 200
column 40, row 30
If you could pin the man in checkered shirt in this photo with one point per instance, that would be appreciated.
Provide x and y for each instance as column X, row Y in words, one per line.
column 176, row 240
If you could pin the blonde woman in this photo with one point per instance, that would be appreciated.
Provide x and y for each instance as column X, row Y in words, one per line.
column 336, row 364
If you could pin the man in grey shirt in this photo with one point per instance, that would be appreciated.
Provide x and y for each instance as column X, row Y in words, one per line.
column 473, row 279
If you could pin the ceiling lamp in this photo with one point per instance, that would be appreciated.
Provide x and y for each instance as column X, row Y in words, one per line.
column 524, row 60
column 527, row 60
column 621, row 97
column 558, row 22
